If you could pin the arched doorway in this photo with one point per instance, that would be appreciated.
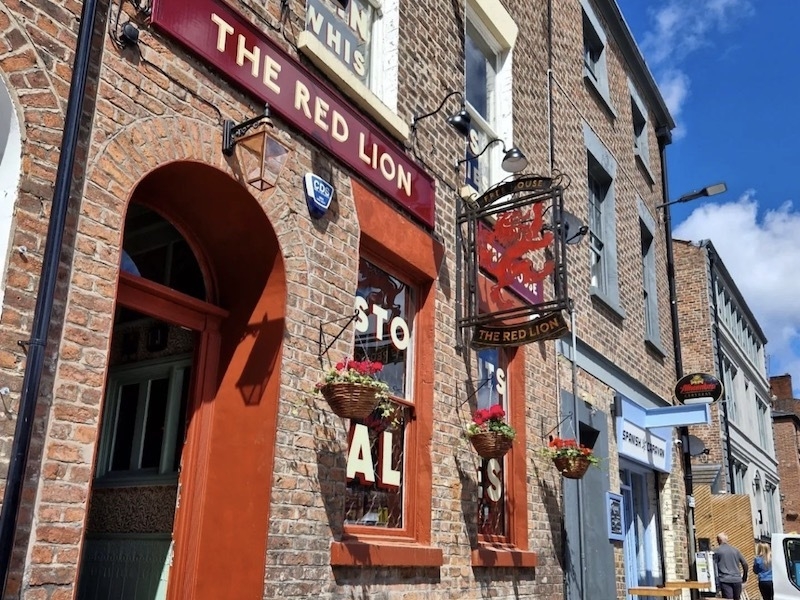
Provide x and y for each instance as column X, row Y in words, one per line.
column 192, row 376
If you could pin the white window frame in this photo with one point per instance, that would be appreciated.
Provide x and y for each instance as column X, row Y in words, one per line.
column 595, row 67
column 142, row 372
column 602, row 167
column 10, row 174
column 652, row 328
column 496, row 34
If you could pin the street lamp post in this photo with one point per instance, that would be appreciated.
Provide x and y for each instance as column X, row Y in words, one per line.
column 683, row 431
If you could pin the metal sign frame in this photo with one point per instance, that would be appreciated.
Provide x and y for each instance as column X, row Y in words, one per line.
column 517, row 194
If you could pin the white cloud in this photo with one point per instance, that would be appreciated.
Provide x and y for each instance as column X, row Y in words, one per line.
column 681, row 27
column 763, row 257
column 674, row 86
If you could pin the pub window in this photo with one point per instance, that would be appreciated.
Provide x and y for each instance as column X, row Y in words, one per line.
column 492, row 497
column 143, row 422
column 376, row 463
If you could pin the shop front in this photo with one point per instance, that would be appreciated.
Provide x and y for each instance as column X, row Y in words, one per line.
column 213, row 314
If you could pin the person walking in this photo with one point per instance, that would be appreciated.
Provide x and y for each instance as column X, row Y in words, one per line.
column 762, row 566
column 727, row 561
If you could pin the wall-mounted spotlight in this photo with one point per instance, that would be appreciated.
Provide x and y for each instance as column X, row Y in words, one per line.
column 261, row 156
column 460, row 121
column 514, row 161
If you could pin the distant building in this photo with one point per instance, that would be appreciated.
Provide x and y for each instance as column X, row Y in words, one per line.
column 720, row 335
column 786, row 425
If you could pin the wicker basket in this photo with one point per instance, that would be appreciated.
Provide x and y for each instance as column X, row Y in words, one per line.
column 572, row 467
column 490, row 444
column 350, row 400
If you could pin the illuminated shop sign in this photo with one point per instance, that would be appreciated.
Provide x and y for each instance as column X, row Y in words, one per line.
column 245, row 55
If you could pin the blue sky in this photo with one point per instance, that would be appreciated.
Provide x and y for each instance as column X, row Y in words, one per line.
column 728, row 71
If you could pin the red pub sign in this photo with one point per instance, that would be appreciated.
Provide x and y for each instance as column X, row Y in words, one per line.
column 246, row 56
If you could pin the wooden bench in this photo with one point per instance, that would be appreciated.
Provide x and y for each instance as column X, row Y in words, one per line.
column 662, row 592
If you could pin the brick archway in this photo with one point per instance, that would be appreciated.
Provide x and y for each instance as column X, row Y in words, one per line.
column 123, row 167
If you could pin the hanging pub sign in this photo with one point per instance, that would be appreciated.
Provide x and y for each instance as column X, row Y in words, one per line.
column 698, row 388
column 513, row 253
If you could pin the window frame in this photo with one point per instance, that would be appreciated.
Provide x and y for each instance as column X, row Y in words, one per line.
column 511, row 549
column 140, row 372
column 412, row 257
column 407, row 401
column 494, row 33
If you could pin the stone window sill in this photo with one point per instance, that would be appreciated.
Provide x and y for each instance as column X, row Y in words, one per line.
column 488, row 555
column 384, row 554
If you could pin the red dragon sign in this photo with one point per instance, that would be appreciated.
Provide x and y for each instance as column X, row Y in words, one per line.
column 513, row 251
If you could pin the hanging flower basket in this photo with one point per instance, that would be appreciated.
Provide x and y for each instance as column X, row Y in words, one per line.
column 352, row 390
column 350, row 400
column 491, row 444
column 570, row 458
column 572, row 467
column 490, row 435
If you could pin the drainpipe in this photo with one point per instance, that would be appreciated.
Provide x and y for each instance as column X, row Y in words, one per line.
column 665, row 138
column 47, row 285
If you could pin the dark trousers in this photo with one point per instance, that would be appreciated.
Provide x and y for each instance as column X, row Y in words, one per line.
column 731, row 590
column 765, row 587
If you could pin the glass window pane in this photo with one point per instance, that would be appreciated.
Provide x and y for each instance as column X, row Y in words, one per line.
column 180, row 436
column 125, row 427
column 154, row 423
column 384, row 332
column 477, row 76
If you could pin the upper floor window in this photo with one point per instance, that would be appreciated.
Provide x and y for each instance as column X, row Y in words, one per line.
column 649, row 291
column 359, row 33
column 490, row 36
column 641, row 145
column 595, row 67
column 728, row 378
column 764, row 422
column 601, row 170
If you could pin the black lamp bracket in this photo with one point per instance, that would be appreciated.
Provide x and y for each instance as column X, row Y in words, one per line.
column 231, row 132
column 321, row 342
column 416, row 120
column 485, row 148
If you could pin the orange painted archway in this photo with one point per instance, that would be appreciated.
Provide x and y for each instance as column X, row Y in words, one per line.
column 221, row 523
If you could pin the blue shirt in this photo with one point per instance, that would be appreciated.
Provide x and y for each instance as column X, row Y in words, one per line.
column 759, row 568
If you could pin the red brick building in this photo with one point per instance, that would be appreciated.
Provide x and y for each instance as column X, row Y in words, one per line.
column 176, row 438
column 786, row 424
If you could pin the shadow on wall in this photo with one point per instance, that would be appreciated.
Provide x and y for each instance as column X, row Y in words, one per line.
column 549, row 493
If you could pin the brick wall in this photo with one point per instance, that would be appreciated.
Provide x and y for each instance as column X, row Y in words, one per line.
column 161, row 104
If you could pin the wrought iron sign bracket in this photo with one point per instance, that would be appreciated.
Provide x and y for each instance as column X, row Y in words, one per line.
column 321, row 341
column 511, row 242
column 232, row 132
column 546, row 435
